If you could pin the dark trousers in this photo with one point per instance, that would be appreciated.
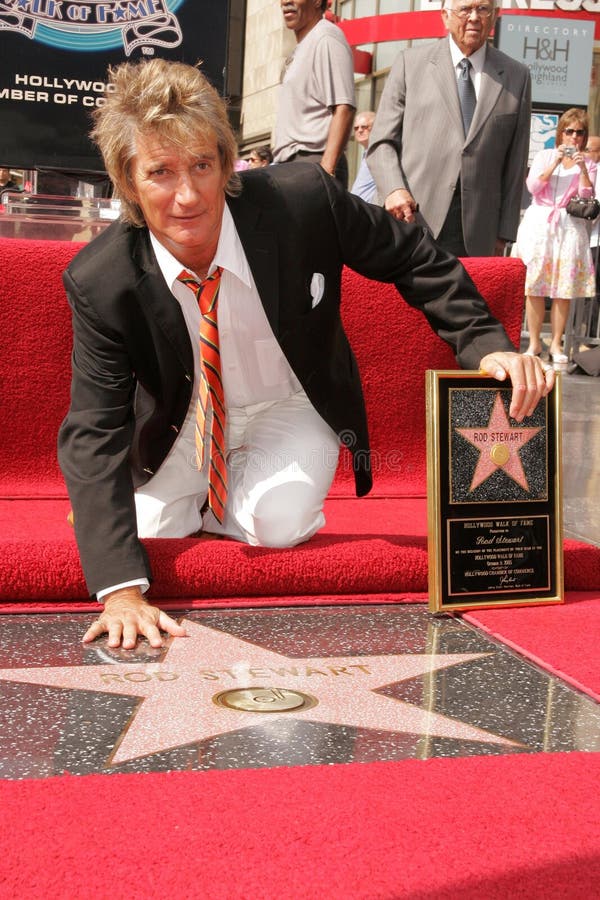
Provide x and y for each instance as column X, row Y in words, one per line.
column 341, row 170
column 451, row 236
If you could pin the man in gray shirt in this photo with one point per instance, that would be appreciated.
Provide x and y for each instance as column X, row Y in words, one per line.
column 316, row 99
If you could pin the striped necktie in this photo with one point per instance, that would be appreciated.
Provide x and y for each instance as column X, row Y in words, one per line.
column 466, row 94
column 211, row 389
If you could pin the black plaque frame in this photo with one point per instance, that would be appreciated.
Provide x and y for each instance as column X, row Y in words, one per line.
column 494, row 496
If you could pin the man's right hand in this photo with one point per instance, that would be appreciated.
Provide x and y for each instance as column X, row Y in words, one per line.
column 126, row 615
column 401, row 204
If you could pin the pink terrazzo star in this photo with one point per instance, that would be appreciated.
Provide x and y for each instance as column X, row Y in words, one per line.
column 498, row 446
column 178, row 705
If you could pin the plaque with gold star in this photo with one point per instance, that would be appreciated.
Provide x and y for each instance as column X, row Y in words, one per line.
column 494, row 496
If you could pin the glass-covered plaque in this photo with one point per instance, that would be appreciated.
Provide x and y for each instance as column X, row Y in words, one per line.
column 494, row 496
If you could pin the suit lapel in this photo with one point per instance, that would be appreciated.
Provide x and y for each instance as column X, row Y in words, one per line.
column 156, row 296
column 491, row 86
column 262, row 252
column 445, row 77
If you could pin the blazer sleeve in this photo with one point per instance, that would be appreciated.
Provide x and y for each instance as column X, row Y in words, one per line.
column 515, row 167
column 94, row 444
column 385, row 144
column 428, row 278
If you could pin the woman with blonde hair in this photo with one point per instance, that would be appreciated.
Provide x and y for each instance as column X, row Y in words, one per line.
column 553, row 244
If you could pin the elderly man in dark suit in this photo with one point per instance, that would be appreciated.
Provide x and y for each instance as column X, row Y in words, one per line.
column 451, row 135
column 236, row 433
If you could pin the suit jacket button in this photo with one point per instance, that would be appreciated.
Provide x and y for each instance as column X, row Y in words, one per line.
column 188, row 377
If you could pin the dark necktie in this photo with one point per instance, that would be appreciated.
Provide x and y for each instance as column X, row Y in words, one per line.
column 466, row 94
column 211, row 388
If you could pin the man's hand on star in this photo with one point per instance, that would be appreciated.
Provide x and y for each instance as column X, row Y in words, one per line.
column 531, row 379
column 126, row 615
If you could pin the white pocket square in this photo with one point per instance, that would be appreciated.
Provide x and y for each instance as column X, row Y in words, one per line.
column 317, row 288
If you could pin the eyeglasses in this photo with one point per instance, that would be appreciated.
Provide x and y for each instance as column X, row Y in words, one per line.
column 362, row 127
column 465, row 12
column 571, row 131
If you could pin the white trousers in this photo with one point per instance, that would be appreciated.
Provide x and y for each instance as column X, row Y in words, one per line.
column 281, row 460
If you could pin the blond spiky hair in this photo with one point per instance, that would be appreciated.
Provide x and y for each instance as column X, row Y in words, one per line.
column 171, row 100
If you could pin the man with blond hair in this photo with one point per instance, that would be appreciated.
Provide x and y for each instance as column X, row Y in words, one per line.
column 225, row 415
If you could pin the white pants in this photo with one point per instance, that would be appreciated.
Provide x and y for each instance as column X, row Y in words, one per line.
column 281, row 460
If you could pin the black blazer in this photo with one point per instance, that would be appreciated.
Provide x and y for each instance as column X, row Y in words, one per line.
column 132, row 357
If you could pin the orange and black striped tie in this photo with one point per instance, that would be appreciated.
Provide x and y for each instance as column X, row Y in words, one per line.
column 211, row 388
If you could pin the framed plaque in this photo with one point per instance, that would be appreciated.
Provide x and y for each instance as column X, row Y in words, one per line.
column 493, row 496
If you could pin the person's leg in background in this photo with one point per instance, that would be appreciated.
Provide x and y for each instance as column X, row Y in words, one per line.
column 559, row 314
column 535, row 308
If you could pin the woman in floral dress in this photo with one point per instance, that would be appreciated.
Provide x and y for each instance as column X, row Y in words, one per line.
column 554, row 245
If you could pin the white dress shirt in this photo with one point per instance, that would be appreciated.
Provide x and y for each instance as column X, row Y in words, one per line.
column 253, row 366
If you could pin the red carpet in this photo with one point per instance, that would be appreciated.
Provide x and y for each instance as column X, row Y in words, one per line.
column 28, row 429
column 377, row 546
column 562, row 639
column 486, row 827
column 369, row 546
column 349, row 559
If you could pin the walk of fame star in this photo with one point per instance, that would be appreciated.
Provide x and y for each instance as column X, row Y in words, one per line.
column 499, row 446
column 179, row 695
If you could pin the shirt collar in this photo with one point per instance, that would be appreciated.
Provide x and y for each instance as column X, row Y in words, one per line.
column 230, row 254
column 476, row 59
